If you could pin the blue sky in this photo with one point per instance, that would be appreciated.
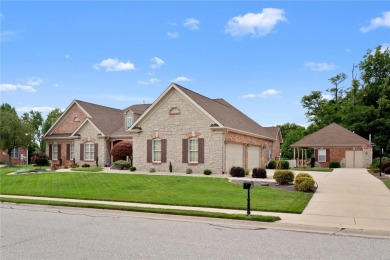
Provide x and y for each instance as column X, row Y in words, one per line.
column 261, row 56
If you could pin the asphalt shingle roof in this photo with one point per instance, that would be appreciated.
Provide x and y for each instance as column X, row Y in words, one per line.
column 330, row 136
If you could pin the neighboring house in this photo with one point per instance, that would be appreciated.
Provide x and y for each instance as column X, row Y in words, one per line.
column 193, row 131
column 181, row 127
column 18, row 155
column 86, row 133
column 336, row 143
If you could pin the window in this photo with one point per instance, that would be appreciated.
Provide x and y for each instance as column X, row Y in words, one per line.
column 89, row 151
column 14, row 153
column 193, row 150
column 129, row 121
column 54, row 153
column 71, row 156
column 322, row 155
column 156, row 150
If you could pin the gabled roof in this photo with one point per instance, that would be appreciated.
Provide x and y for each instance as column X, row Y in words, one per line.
column 137, row 109
column 332, row 135
column 220, row 111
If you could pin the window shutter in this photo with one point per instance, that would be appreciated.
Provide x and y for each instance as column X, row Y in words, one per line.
column 149, row 151
column 96, row 154
column 81, row 152
column 327, row 155
column 185, row 151
column 59, row 152
column 200, row 150
column 316, row 154
column 163, row 150
column 50, row 151
column 68, row 152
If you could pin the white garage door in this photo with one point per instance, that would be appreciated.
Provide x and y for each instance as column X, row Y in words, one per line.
column 253, row 157
column 234, row 156
column 354, row 159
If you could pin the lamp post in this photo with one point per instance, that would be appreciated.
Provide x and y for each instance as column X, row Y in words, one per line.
column 380, row 161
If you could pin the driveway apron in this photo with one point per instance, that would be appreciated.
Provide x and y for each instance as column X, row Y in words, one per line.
column 351, row 197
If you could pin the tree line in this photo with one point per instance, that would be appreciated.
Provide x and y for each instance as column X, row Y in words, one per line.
column 363, row 107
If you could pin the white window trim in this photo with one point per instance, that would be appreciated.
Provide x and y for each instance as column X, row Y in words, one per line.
column 154, row 150
column 14, row 151
column 71, row 156
column 194, row 150
column 90, row 152
column 321, row 154
column 54, row 152
column 129, row 118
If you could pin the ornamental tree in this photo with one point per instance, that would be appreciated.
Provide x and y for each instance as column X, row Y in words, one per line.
column 123, row 149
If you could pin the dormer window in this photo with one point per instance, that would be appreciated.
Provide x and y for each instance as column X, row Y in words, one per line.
column 129, row 121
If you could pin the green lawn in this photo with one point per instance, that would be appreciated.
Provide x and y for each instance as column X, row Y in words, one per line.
column 314, row 169
column 387, row 183
column 87, row 169
column 169, row 190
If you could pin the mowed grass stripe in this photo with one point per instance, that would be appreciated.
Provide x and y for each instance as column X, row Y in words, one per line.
column 168, row 190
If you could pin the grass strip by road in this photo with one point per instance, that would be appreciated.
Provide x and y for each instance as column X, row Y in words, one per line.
column 146, row 210
column 151, row 189
column 387, row 183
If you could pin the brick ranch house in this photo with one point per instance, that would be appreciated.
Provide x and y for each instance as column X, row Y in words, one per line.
column 18, row 155
column 181, row 127
column 335, row 143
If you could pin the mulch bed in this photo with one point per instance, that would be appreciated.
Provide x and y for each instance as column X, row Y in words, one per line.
column 273, row 185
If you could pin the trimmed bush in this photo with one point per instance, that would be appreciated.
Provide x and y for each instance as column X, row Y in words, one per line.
column 121, row 165
column 376, row 162
column 334, row 164
column 207, row 172
column 282, row 165
column 284, row 177
column 152, row 170
column 259, row 173
column 385, row 165
column 55, row 166
column 85, row 165
column 189, row 171
column 40, row 159
column 237, row 172
column 133, row 168
column 170, row 167
column 387, row 170
column 304, row 182
column 271, row 165
column 247, row 171
column 74, row 165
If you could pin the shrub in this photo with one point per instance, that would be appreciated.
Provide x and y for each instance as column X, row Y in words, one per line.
column 55, row 166
column 85, row 165
column 334, row 164
column 40, row 159
column 189, row 171
column 123, row 149
column 151, row 170
column 271, row 165
column 385, row 165
column 74, row 165
column 121, row 165
column 304, row 182
column 133, row 168
column 259, row 173
column 170, row 167
column 207, row 172
column 237, row 172
column 387, row 170
column 284, row 177
column 247, row 171
column 285, row 165
column 376, row 161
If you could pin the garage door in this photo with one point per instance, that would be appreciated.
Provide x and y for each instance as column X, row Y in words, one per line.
column 354, row 159
column 253, row 157
column 234, row 156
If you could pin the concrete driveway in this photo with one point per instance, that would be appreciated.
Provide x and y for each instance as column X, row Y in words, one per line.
column 350, row 197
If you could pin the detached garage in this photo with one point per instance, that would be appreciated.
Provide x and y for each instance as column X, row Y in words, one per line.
column 334, row 143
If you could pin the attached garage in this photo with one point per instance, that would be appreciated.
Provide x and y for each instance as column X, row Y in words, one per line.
column 354, row 159
column 253, row 157
column 234, row 155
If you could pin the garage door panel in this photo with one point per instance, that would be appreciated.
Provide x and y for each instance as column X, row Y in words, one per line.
column 234, row 155
column 253, row 157
column 354, row 159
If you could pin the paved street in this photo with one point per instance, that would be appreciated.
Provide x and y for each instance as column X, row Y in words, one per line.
column 41, row 232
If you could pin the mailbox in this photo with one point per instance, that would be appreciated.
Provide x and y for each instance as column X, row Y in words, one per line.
column 248, row 185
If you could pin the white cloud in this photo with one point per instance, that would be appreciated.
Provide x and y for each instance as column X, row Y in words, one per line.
column 268, row 92
column 377, row 22
column 181, row 78
column 34, row 81
column 192, row 23
column 319, row 66
column 29, row 108
column 6, row 36
column 126, row 98
column 156, row 62
column 149, row 81
column 15, row 87
column 172, row 34
column 255, row 24
column 114, row 65
column 56, row 85
column 348, row 50
column 384, row 47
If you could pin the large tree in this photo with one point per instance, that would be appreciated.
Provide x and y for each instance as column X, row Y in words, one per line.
column 291, row 133
column 50, row 120
column 34, row 120
column 13, row 131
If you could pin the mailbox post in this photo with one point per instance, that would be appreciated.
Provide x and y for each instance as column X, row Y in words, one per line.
column 247, row 185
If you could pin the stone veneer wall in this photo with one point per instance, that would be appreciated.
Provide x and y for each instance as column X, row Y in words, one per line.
column 175, row 126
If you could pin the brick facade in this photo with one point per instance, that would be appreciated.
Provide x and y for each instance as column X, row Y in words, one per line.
column 22, row 152
column 338, row 154
column 71, row 121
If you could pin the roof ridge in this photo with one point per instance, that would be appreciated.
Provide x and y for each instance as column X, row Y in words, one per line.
column 89, row 103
